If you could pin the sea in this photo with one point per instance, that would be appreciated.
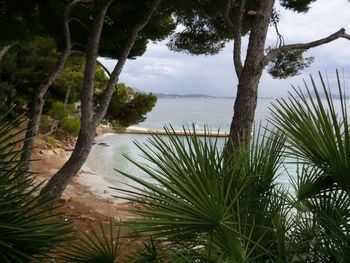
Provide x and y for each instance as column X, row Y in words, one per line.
column 108, row 153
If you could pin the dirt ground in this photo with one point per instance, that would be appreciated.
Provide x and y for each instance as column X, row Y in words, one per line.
column 77, row 200
column 78, row 203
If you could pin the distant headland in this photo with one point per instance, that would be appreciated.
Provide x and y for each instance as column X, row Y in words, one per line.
column 196, row 96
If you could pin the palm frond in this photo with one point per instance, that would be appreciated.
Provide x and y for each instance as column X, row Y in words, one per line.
column 199, row 197
column 99, row 243
column 27, row 231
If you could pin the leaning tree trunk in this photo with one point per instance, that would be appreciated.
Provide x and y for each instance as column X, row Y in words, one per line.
column 54, row 188
column 36, row 109
column 91, row 118
column 38, row 101
column 248, row 79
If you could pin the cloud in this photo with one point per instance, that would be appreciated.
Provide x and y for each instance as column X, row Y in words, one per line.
column 161, row 70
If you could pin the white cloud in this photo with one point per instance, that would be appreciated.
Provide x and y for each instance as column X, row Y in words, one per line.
column 161, row 70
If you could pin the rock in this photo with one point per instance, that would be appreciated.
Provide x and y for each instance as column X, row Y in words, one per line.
column 103, row 144
column 64, row 199
column 41, row 152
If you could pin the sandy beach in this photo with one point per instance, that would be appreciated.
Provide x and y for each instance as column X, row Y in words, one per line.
column 87, row 197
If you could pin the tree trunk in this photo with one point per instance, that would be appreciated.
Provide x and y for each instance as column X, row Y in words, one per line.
column 36, row 109
column 244, row 108
column 90, row 118
column 38, row 98
column 248, row 80
column 66, row 98
column 3, row 51
column 56, row 185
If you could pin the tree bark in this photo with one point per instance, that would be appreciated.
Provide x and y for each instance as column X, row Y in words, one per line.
column 56, row 185
column 66, row 98
column 255, row 62
column 38, row 100
column 36, row 109
column 248, row 80
column 3, row 51
column 90, row 119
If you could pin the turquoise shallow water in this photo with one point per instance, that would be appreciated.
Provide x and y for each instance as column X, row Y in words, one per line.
column 213, row 113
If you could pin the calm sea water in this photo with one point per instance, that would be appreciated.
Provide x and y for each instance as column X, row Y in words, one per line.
column 214, row 113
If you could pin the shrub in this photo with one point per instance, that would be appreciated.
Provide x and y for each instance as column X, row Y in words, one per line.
column 70, row 126
column 59, row 111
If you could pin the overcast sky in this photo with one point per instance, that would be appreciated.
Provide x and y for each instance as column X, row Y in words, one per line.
column 160, row 70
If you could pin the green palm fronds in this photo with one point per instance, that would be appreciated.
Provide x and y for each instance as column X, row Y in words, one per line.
column 227, row 208
column 317, row 132
column 27, row 231
column 318, row 135
column 99, row 243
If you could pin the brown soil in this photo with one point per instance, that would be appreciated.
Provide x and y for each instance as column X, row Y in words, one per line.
column 78, row 203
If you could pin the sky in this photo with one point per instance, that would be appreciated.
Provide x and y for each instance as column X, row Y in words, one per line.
column 160, row 70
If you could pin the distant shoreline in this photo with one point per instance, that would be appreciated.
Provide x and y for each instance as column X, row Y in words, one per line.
column 198, row 96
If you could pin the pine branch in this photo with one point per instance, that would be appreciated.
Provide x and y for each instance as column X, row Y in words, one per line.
column 304, row 46
column 114, row 76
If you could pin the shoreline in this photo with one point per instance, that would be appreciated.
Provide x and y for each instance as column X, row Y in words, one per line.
column 84, row 198
column 89, row 193
column 157, row 131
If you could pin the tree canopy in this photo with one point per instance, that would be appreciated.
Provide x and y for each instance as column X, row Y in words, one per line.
column 18, row 20
column 206, row 29
column 24, row 67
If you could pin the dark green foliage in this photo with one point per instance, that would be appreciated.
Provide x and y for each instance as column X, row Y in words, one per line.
column 222, row 209
column 149, row 253
column 297, row 5
column 128, row 107
column 288, row 64
column 23, row 69
column 318, row 136
column 204, row 29
column 18, row 21
column 59, row 111
column 206, row 43
column 121, row 18
column 26, row 229
column 70, row 125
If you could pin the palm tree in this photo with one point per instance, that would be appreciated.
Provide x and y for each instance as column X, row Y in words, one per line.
column 220, row 210
column 205, row 207
column 27, row 231
column 318, row 138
